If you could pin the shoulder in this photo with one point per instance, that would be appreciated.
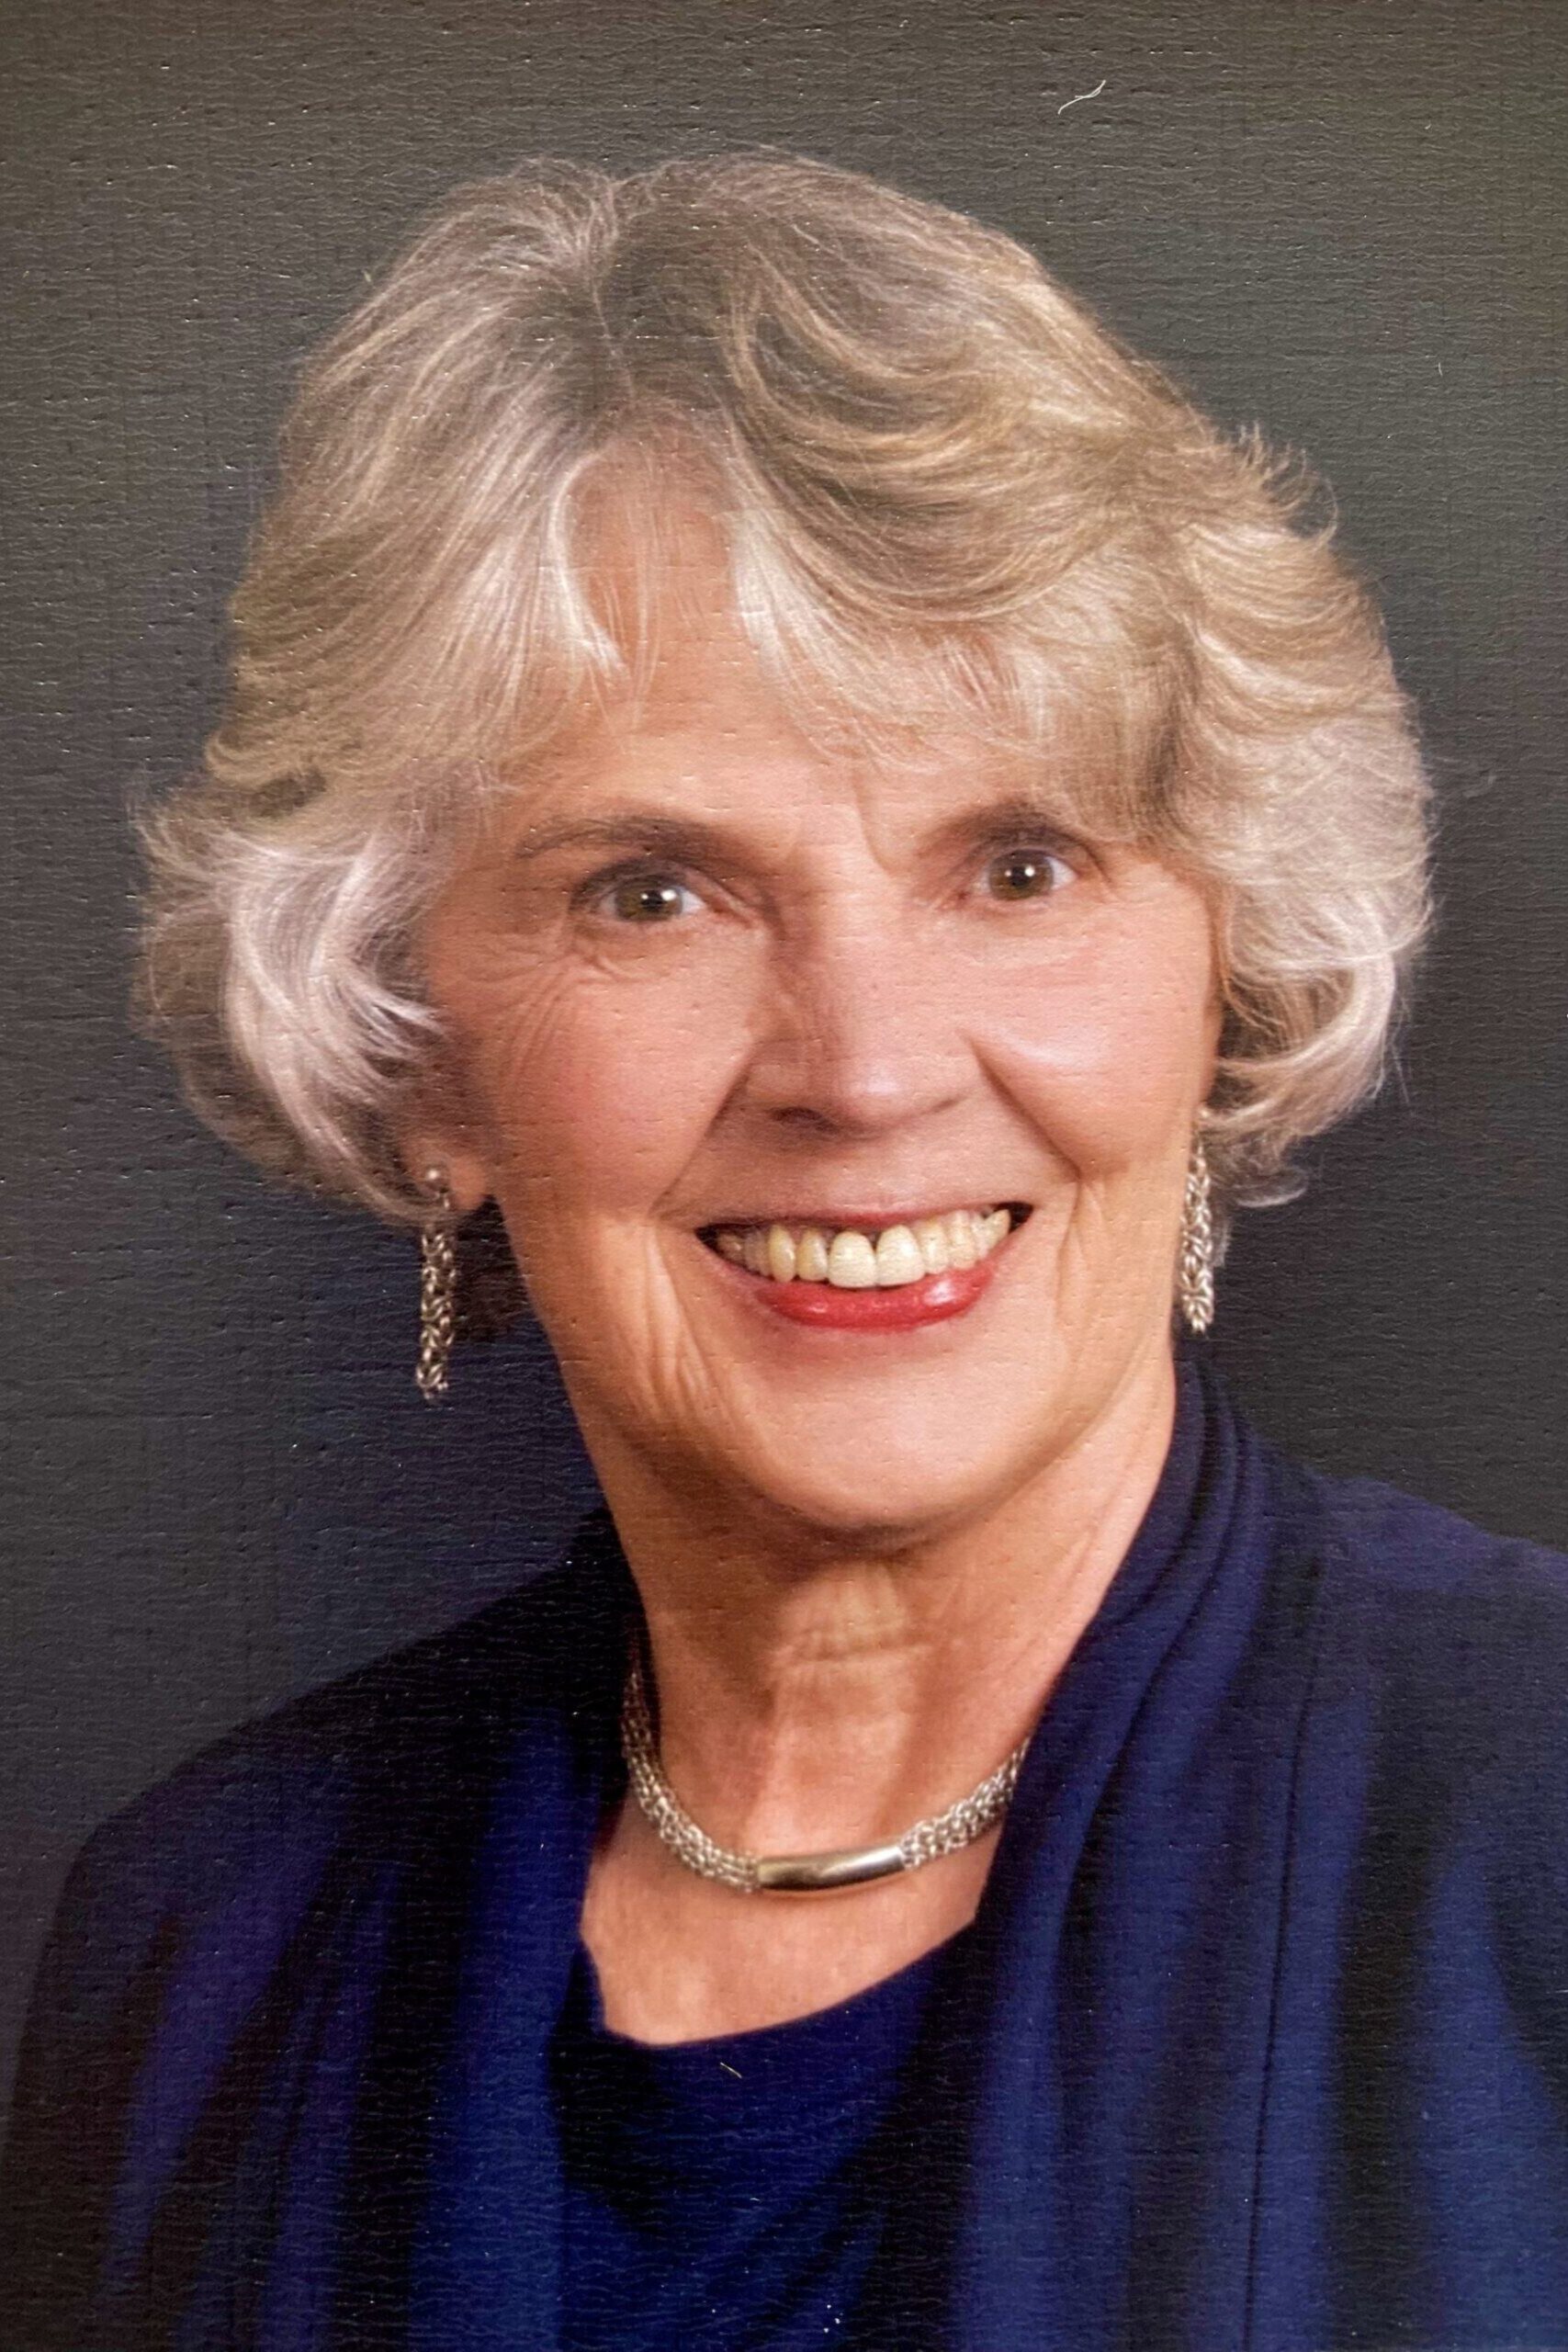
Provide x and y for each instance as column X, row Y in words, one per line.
column 1440, row 1704
column 1419, row 1594
column 359, row 1773
column 208, row 1928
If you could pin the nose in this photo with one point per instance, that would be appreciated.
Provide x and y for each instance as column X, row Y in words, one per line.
column 862, row 1030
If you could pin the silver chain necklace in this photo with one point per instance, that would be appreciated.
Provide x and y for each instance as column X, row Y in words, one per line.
column 827, row 1873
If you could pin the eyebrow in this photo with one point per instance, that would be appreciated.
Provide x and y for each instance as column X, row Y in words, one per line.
column 1012, row 812
column 695, row 841
column 680, row 837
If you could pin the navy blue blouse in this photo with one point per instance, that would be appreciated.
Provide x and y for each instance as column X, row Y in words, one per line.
column 731, row 2192
column 1257, row 2042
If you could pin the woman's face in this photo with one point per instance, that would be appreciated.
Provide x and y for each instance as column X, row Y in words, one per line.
column 706, row 980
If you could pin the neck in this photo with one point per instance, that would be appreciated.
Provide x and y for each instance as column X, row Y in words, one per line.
column 813, row 1690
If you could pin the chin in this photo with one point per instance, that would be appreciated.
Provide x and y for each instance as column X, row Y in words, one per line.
column 879, row 1494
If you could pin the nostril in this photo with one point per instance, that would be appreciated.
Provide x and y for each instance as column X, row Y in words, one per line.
column 800, row 1118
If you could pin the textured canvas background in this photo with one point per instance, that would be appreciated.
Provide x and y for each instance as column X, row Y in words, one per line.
column 1345, row 220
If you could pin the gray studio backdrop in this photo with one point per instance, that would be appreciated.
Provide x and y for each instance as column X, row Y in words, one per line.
column 1343, row 219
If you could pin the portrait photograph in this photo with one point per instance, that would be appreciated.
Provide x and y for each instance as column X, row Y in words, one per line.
column 786, row 1511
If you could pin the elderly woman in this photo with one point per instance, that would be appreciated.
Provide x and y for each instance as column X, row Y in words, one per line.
column 769, row 751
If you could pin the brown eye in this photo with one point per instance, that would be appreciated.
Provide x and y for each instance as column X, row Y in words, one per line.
column 647, row 899
column 1028, row 873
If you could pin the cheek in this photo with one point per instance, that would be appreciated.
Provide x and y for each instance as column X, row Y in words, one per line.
column 1109, row 1057
column 593, row 1094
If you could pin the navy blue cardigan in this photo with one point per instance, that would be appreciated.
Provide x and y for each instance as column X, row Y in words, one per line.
column 1263, row 2043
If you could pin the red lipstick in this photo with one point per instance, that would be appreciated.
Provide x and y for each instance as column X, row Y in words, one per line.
column 933, row 1299
column 905, row 1307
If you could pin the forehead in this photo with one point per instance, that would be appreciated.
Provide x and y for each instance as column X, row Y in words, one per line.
column 720, row 765
column 703, row 725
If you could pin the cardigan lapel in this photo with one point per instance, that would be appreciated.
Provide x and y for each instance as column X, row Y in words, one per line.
column 487, row 2260
column 1118, row 2022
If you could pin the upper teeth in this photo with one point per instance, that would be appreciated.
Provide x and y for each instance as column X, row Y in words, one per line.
column 851, row 1260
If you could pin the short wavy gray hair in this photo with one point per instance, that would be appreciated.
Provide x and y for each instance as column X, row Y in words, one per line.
column 946, row 493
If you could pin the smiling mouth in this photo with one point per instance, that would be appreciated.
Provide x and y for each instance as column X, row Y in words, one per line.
column 862, row 1258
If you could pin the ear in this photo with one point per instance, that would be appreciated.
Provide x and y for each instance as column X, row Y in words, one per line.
column 433, row 1136
column 427, row 1158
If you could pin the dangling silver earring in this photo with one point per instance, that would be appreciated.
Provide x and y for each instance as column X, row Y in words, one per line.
column 1195, row 1265
column 437, row 1289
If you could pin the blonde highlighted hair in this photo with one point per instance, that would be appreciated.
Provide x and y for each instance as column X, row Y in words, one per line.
column 946, row 494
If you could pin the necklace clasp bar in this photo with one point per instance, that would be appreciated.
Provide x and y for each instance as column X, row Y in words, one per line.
column 829, row 1873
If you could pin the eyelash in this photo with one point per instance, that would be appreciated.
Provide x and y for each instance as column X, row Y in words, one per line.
column 591, row 895
column 1023, row 846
